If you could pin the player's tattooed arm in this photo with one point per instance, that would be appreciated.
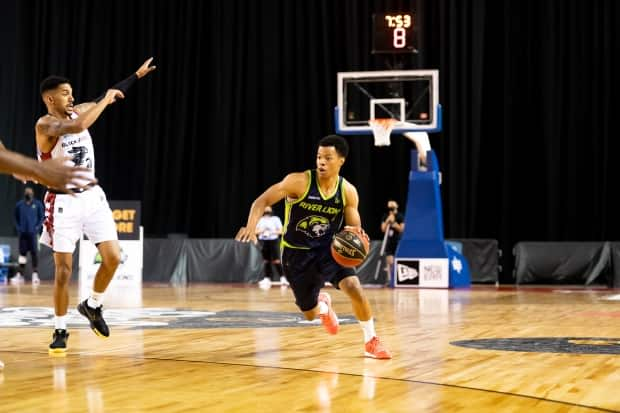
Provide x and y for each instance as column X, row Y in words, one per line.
column 50, row 126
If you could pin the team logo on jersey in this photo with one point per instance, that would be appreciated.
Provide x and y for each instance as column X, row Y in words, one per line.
column 313, row 226
column 323, row 209
column 79, row 153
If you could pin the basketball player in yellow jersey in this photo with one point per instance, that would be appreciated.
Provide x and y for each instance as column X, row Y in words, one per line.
column 62, row 132
column 317, row 203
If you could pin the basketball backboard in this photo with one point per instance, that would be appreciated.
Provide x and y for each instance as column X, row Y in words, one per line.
column 410, row 96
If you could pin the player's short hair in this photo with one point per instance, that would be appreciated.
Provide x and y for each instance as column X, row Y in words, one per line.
column 338, row 142
column 52, row 82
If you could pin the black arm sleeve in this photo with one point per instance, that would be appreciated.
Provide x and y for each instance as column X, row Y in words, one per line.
column 123, row 86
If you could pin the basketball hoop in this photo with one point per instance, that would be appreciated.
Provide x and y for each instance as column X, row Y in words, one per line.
column 381, row 129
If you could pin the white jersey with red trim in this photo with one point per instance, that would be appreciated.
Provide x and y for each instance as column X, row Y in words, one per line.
column 77, row 146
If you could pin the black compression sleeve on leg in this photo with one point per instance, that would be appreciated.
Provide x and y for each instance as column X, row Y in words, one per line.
column 279, row 269
column 35, row 259
column 123, row 86
column 268, row 271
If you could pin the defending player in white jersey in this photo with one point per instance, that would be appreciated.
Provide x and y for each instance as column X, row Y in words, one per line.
column 62, row 132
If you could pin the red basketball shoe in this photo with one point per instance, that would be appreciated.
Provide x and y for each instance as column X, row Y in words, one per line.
column 374, row 348
column 330, row 319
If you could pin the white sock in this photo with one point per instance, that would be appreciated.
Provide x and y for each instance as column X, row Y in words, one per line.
column 323, row 308
column 368, row 327
column 60, row 322
column 95, row 300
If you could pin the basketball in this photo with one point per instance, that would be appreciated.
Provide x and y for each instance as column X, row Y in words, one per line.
column 349, row 248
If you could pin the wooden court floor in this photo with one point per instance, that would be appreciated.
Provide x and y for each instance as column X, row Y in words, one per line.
column 236, row 348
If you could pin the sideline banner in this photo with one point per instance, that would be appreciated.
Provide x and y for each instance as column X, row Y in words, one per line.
column 127, row 215
column 125, row 289
column 421, row 273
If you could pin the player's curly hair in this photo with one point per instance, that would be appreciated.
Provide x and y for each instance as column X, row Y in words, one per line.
column 338, row 142
column 51, row 83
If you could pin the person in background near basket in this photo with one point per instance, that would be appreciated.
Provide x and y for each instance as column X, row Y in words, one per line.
column 268, row 231
column 393, row 222
column 29, row 214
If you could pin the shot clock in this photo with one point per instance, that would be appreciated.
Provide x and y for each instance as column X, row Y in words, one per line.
column 393, row 33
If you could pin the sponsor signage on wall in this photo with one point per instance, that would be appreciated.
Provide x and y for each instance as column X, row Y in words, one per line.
column 421, row 273
column 127, row 216
column 126, row 286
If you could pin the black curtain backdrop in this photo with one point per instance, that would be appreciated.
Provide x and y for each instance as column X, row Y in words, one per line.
column 244, row 90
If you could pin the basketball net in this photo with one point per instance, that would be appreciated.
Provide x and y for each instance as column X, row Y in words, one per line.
column 381, row 129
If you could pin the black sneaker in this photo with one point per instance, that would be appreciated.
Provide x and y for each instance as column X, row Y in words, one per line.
column 97, row 323
column 59, row 342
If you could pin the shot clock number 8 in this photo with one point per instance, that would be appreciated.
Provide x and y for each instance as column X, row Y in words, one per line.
column 400, row 22
column 393, row 33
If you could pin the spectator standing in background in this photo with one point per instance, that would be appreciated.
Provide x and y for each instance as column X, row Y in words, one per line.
column 29, row 215
column 268, row 232
column 393, row 222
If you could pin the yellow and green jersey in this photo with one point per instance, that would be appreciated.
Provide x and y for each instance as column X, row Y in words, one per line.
column 312, row 220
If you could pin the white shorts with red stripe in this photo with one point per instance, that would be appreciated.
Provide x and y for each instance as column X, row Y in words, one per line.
column 67, row 217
